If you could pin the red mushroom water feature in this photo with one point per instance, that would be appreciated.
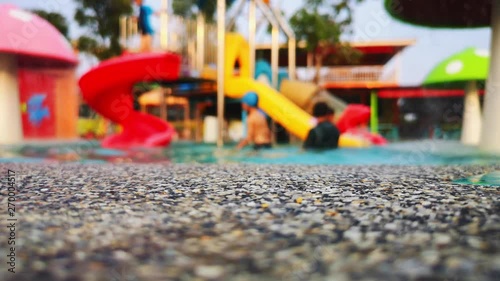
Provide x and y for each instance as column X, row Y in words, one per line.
column 26, row 42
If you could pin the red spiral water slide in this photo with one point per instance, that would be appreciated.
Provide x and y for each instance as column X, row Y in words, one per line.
column 107, row 89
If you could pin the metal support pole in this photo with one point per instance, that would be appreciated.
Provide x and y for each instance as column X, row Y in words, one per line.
column 471, row 120
column 130, row 24
column 374, row 112
column 200, row 42
column 134, row 28
column 221, row 34
column 232, row 19
column 490, row 134
column 252, row 28
column 292, row 49
column 398, row 67
column 292, row 42
column 164, row 25
column 275, row 48
column 274, row 69
column 267, row 12
column 123, row 31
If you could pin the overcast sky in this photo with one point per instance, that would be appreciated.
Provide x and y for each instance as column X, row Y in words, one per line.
column 371, row 22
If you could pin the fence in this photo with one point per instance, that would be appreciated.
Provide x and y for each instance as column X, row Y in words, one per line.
column 357, row 73
column 194, row 40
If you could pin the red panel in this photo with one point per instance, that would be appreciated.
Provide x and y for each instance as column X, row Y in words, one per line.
column 420, row 93
column 37, row 103
column 378, row 50
column 371, row 49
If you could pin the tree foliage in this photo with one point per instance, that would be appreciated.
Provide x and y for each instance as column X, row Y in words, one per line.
column 56, row 19
column 321, row 23
column 189, row 8
column 101, row 19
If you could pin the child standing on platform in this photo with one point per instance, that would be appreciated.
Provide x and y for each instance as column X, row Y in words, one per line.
column 145, row 26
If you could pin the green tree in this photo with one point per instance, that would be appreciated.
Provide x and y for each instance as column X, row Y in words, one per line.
column 321, row 24
column 189, row 8
column 56, row 19
column 101, row 18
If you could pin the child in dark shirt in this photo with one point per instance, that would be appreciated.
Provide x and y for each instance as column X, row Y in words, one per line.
column 325, row 135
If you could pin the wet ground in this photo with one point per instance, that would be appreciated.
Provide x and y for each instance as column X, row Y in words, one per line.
column 252, row 222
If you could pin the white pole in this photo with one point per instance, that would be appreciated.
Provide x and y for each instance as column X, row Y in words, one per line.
column 275, row 33
column 164, row 25
column 399, row 64
column 275, row 55
column 252, row 29
column 221, row 34
column 200, row 42
column 123, row 31
column 292, row 41
column 11, row 130
column 232, row 19
column 471, row 123
column 490, row 137
column 130, row 26
column 292, row 49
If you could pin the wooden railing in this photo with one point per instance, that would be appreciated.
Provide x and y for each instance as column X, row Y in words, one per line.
column 357, row 73
column 182, row 38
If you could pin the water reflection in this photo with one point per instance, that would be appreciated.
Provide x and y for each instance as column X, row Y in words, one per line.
column 407, row 153
column 489, row 179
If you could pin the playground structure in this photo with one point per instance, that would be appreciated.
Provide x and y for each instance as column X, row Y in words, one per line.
column 38, row 91
column 235, row 49
column 48, row 107
column 112, row 97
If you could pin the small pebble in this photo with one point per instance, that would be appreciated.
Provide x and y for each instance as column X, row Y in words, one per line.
column 209, row 272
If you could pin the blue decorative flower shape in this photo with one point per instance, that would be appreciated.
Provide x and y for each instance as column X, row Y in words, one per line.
column 36, row 110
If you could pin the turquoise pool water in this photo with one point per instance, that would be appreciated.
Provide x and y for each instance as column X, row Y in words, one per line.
column 429, row 152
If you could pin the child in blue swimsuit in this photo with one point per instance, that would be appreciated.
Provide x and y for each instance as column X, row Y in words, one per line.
column 145, row 27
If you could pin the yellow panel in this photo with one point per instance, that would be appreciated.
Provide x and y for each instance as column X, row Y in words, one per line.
column 301, row 93
column 351, row 141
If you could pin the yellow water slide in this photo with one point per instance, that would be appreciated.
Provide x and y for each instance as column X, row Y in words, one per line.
column 277, row 106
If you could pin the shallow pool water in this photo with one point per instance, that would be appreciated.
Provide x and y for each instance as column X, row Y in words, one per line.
column 488, row 179
column 429, row 152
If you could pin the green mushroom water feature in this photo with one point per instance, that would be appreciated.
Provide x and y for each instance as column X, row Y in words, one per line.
column 463, row 14
column 467, row 70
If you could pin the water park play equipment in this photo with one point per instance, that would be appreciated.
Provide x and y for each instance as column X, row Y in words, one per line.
column 278, row 106
column 111, row 97
column 303, row 94
column 468, row 14
column 467, row 69
column 103, row 94
column 38, row 92
column 107, row 88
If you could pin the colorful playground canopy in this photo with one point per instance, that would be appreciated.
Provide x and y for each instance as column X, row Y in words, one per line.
column 442, row 13
column 34, row 40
